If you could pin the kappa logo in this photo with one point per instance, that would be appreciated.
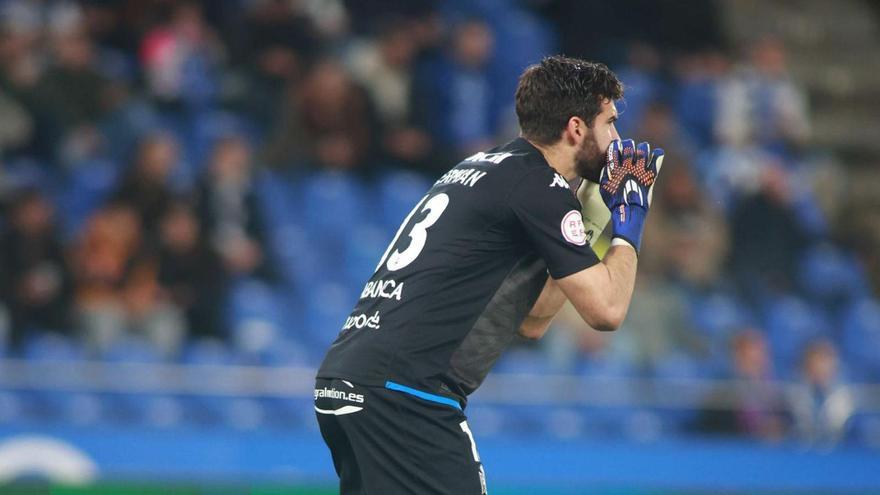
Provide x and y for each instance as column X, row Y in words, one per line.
column 573, row 229
column 559, row 181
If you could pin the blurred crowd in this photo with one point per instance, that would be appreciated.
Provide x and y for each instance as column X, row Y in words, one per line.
column 162, row 161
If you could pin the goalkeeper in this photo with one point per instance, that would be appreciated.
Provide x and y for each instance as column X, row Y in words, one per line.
column 493, row 249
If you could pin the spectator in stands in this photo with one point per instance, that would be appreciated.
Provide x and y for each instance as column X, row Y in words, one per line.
column 644, row 87
column 327, row 123
column 657, row 325
column 190, row 274
column 35, row 281
column 761, row 104
column 20, row 69
column 767, row 236
column 16, row 123
column 823, row 405
column 147, row 185
column 456, row 94
column 688, row 235
column 385, row 69
column 72, row 95
column 181, row 58
column 753, row 406
column 280, row 41
column 229, row 213
column 698, row 76
column 117, row 292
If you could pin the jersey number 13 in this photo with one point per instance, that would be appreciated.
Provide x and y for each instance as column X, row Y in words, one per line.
column 418, row 234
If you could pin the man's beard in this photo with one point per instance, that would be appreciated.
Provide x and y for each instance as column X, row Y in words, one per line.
column 589, row 160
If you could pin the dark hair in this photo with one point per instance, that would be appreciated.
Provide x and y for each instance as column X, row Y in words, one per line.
column 550, row 93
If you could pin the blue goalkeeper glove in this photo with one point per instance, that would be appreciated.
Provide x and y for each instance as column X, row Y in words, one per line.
column 627, row 183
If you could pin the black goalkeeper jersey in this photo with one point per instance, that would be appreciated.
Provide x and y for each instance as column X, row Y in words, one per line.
column 494, row 225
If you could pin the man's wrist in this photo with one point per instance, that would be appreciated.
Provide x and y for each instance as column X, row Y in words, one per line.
column 627, row 223
column 620, row 241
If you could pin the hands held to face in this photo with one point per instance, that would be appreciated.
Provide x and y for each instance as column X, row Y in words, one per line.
column 627, row 186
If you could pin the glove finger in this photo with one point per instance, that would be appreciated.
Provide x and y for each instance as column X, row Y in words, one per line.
column 613, row 156
column 629, row 151
column 643, row 153
column 657, row 160
column 655, row 164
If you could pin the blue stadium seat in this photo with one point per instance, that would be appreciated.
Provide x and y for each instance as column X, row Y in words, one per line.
column 12, row 408
column 680, row 366
column 27, row 173
column 297, row 259
column 244, row 413
column 696, row 106
column 565, row 422
column 81, row 408
column 278, row 199
column 215, row 411
column 486, row 418
column 399, row 192
column 289, row 413
column 524, row 420
column 87, row 189
column 646, row 425
column 791, row 323
column 718, row 315
column 332, row 203
column 161, row 411
column 642, row 89
column 255, row 316
column 135, row 408
column 328, row 306
column 864, row 430
column 523, row 360
column 252, row 298
column 288, row 352
column 305, row 257
column 53, row 347
column 206, row 128
column 861, row 338
column 208, row 351
column 362, row 252
column 132, row 350
column 828, row 274
column 607, row 365
column 124, row 127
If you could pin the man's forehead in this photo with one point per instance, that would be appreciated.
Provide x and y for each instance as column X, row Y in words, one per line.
column 609, row 108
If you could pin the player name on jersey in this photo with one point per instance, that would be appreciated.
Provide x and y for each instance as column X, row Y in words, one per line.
column 464, row 176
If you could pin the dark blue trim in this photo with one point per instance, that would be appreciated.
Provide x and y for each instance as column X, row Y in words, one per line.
column 423, row 395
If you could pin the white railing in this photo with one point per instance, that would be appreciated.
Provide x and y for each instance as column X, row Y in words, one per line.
column 298, row 382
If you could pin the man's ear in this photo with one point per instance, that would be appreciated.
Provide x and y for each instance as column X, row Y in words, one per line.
column 576, row 130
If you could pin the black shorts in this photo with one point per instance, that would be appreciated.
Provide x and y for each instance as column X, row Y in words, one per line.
column 388, row 441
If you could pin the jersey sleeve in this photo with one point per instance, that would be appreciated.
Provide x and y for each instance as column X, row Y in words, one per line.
column 550, row 216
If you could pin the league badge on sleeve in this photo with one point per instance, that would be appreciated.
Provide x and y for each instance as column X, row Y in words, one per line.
column 573, row 229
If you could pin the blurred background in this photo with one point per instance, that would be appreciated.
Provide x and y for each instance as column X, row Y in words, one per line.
column 194, row 194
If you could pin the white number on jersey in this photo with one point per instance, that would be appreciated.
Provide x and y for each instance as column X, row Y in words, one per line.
column 418, row 234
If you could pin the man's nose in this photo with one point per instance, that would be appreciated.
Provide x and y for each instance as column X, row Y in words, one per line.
column 614, row 134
